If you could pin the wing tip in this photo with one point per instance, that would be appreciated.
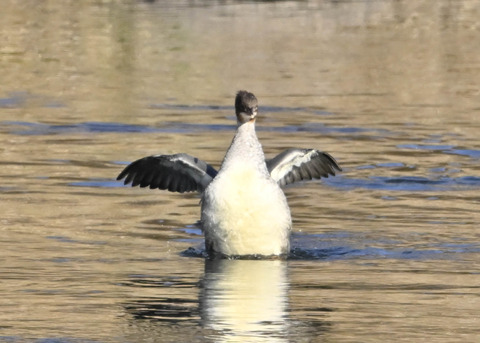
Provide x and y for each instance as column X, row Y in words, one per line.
column 333, row 162
column 122, row 174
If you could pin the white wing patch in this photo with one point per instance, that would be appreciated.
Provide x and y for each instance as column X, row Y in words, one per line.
column 292, row 160
column 294, row 165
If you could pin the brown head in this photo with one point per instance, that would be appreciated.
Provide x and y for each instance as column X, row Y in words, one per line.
column 246, row 106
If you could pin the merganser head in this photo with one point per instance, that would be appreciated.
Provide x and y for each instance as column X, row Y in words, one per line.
column 246, row 106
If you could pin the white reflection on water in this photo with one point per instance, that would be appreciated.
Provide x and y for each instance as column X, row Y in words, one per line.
column 246, row 300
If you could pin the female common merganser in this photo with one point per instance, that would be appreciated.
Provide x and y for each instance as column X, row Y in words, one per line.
column 244, row 211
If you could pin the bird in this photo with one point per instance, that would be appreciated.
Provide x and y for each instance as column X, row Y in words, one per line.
column 244, row 211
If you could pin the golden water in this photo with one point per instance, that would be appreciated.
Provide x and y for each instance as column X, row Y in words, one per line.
column 387, row 251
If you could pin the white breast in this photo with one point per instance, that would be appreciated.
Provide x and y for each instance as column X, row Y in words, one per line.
column 244, row 211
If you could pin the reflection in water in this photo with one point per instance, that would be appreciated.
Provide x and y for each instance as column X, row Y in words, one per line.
column 239, row 301
column 387, row 252
column 245, row 300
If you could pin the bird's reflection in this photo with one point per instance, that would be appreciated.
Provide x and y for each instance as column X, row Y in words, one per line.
column 245, row 300
column 235, row 301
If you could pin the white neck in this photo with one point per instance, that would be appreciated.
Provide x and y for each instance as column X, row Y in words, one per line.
column 245, row 148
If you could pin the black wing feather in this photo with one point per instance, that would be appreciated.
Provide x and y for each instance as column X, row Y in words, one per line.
column 177, row 173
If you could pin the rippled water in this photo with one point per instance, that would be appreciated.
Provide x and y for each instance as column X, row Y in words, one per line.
column 388, row 250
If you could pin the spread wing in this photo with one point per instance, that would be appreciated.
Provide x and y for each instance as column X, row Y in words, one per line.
column 177, row 173
column 294, row 165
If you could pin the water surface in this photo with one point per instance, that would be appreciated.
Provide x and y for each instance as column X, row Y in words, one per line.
column 386, row 251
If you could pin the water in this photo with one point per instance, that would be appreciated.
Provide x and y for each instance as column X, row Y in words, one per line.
column 386, row 251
